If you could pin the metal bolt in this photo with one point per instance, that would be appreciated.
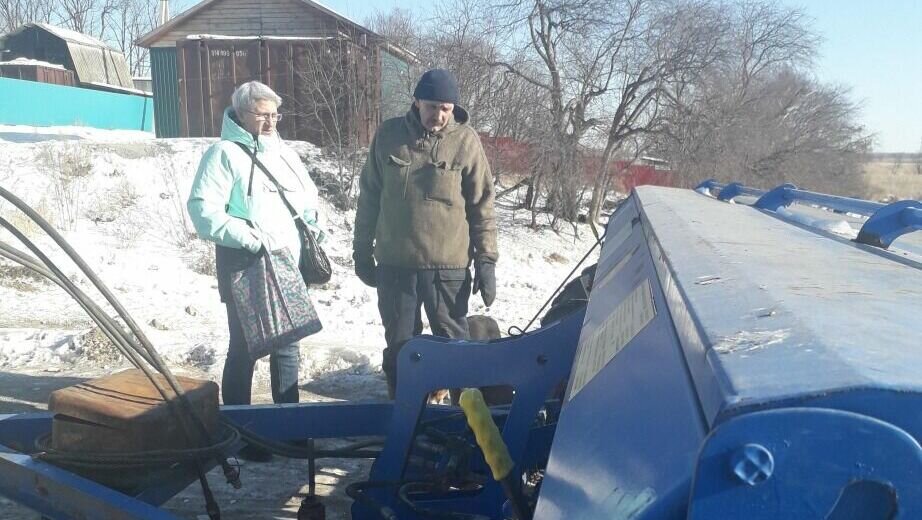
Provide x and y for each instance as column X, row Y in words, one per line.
column 416, row 356
column 542, row 359
column 753, row 464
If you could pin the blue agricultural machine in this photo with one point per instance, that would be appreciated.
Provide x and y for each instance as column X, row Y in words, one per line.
column 720, row 361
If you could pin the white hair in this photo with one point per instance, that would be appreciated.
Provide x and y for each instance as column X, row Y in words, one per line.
column 247, row 95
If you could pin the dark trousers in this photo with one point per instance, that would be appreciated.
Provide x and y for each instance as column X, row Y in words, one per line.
column 237, row 382
column 404, row 292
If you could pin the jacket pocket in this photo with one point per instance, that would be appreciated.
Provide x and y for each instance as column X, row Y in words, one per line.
column 442, row 183
column 395, row 181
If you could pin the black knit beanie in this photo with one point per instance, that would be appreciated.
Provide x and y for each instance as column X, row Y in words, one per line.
column 437, row 85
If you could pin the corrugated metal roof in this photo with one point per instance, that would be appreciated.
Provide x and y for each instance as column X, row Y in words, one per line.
column 94, row 61
column 69, row 35
column 99, row 65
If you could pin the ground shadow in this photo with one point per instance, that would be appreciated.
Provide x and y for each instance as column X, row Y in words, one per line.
column 348, row 385
column 34, row 137
column 29, row 392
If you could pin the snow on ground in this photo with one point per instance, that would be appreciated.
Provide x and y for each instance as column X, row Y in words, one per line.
column 130, row 230
column 34, row 134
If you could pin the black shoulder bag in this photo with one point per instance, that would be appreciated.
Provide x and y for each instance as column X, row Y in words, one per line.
column 314, row 265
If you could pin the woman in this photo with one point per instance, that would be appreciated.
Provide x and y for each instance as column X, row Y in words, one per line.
column 234, row 204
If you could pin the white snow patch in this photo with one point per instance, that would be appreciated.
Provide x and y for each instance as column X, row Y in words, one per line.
column 838, row 227
column 34, row 63
column 704, row 191
column 750, row 341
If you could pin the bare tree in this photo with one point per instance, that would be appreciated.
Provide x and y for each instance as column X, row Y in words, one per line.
column 401, row 32
column 336, row 100
column 671, row 44
column 564, row 49
column 754, row 115
column 14, row 13
column 130, row 20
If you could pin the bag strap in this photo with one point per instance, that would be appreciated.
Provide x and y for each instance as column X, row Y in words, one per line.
column 278, row 187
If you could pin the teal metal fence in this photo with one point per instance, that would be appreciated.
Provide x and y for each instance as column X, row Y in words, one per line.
column 43, row 104
column 166, row 91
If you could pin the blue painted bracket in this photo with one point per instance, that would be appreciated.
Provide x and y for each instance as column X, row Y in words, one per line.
column 890, row 222
column 729, row 191
column 56, row 493
column 787, row 193
column 807, row 463
column 709, row 185
column 533, row 364
column 735, row 189
column 776, row 198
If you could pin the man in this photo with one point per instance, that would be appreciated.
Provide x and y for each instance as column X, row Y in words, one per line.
column 425, row 213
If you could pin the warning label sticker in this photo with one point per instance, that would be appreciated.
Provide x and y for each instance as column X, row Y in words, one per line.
column 625, row 322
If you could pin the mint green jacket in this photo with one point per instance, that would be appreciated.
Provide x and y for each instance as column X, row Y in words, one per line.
column 228, row 191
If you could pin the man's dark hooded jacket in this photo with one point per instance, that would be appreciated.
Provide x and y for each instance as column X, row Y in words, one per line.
column 426, row 199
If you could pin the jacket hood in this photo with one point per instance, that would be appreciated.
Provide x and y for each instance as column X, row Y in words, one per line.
column 232, row 131
column 460, row 118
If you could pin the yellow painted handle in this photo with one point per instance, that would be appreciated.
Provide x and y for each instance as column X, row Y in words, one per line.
column 487, row 434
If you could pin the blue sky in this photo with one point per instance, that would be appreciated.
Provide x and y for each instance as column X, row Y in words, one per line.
column 873, row 47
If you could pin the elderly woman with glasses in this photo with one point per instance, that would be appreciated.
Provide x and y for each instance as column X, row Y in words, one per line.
column 234, row 204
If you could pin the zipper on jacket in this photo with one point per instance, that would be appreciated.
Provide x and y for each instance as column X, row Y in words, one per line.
column 253, row 164
column 406, row 180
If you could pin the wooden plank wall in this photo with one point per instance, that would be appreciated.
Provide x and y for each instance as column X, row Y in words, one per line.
column 254, row 18
column 38, row 73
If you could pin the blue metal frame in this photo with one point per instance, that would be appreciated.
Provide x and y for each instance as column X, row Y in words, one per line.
column 533, row 364
column 709, row 185
column 886, row 222
column 797, row 462
column 745, row 322
column 631, row 434
column 891, row 222
column 786, row 194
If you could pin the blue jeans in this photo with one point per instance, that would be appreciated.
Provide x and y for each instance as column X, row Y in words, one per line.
column 237, row 381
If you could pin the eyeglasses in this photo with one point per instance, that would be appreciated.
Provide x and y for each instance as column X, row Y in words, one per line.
column 267, row 117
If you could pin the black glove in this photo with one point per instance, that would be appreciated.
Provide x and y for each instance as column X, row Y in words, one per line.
column 485, row 280
column 365, row 270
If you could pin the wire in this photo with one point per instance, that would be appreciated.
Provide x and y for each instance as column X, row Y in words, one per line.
column 180, row 406
column 139, row 459
column 291, row 451
column 516, row 331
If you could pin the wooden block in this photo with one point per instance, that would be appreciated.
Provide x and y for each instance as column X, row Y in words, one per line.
column 125, row 413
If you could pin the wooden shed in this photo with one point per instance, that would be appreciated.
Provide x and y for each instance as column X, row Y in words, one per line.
column 34, row 70
column 92, row 62
column 327, row 68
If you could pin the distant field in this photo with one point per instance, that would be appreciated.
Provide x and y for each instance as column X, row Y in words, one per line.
column 889, row 178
